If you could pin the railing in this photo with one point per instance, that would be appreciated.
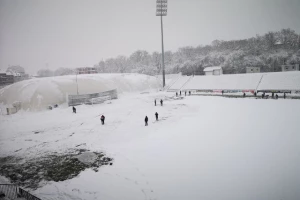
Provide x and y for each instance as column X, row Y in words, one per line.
column 74, row 100
column 27, row 195
column 10, row 190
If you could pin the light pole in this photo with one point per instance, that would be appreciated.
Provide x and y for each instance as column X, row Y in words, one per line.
column 161, row 10
column 76, row 71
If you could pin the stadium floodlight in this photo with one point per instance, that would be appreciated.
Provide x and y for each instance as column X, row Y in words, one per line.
column 161, row 10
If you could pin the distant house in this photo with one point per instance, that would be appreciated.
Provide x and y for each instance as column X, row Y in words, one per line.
column 286, row 68
column 252, row 70
column 6, row 79
column 86, row 70
column 217, row 70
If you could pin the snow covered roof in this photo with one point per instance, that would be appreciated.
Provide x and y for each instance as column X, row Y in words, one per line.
column 2, row 71
column 208, row 69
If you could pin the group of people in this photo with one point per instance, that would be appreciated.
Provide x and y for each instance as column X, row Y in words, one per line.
column 146, row 119
column 102, row 118
column 156, row 114
column 184, row 93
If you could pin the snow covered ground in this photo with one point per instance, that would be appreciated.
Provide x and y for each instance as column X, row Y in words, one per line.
column 201, row 147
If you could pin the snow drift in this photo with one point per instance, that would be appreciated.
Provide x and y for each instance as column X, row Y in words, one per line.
column 38, row 93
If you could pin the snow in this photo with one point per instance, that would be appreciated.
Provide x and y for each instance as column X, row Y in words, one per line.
column 208, row 69
column 234, row 82
column 259, row 81
column 180, row 83
column 38, row 93
column 280, row 81
column 201, row 147
column 87, row 157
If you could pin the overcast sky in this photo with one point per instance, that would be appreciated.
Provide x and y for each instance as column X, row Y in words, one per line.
column 38, row 34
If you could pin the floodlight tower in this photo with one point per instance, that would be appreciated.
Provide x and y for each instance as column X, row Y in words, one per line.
column 161, row 10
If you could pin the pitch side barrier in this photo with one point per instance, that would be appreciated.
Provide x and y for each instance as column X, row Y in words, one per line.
column 89, row 99
column 225, row 91
column 277, row 91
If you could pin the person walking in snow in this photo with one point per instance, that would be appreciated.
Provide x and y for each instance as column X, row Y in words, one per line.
column 156, row 116
column 161, row 102
column 184, row 93
column 244, row 95
column 102, row 118
column 284, row 95
column 180, row 93
column 190, row 93
column 276, row 96
column 74, row 110
column 222, row 92
column 176, row 94
column 155, row 102
column 146, row 121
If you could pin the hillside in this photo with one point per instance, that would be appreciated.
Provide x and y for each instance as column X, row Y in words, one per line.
column 268, row 51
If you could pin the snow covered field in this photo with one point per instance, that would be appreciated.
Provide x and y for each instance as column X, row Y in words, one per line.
column 201, row 148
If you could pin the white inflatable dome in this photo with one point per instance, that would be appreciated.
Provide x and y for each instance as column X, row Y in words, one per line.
column 38, row 93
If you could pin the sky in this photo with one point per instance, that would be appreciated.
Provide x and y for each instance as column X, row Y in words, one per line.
column 40, row 34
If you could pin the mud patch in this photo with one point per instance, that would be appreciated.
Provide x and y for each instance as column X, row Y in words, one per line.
column 54, row 167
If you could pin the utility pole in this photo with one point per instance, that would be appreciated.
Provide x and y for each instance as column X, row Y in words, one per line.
column 161, row 10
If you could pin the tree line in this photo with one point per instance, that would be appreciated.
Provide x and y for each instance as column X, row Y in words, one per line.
column 268, row 51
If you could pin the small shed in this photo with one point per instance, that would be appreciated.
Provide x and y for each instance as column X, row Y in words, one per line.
column 252, row 70
column 217, row 70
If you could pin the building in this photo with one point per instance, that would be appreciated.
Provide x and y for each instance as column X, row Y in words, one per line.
column 252, row 70
column 213, row 70
column 286, row 68
column 86, row 70
column 6, row 79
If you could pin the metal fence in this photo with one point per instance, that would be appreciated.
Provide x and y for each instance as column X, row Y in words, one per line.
column 10, row 190
column 26, row 195
column 75, row 100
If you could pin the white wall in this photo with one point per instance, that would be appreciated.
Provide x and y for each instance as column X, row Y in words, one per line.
column 209, row 73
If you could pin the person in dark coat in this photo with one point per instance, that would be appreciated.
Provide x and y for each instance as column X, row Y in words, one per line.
column 189, row 92
column 102, row 118
column 263, row 95
column 176, row 94
column 276, row 96
column 222, row 92
column 74, row 109
column 244, row 95
column 161, row 102
column 185, row 93
column 284, row 95
column 146, row 121
column 272, row 95
column 156, row 116
column 180, row 93
column 255, row 94
column 155, row 102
